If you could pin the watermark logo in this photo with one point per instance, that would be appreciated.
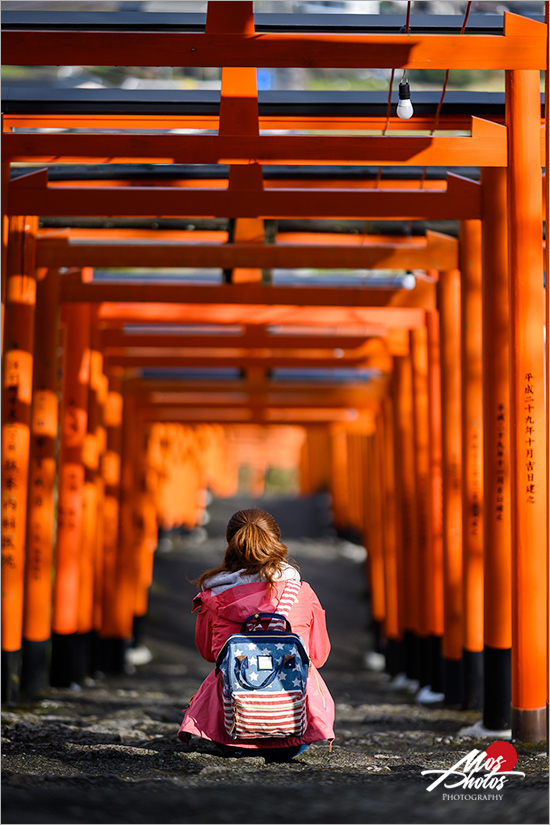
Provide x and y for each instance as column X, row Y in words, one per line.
column 479, row 775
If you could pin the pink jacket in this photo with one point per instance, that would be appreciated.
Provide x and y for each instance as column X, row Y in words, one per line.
column 221, row 615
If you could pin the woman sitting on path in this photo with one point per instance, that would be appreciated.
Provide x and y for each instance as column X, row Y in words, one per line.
column 251, row 579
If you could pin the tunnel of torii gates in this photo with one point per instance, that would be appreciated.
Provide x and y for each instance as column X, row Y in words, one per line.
column 438, row 461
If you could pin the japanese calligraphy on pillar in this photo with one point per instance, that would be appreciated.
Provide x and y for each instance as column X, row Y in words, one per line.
column 529, row 419
column 500, row 461
column 41, row 484
column 476, row 485
column 15, row 438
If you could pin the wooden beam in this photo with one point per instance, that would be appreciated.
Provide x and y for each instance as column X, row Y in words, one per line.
column 241, row 392
column 74, row 290
column 487, row 146
column 271, row 359
column 382, row 318
column 31, row 194
column 313, row 399
column 296, row 417
column 347, row 123
column 523, row 46
column 118, row 338
column 435, row 251
column 221, row 181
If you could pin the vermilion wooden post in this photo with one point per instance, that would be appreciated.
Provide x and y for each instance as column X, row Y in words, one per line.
column 472, row 462
column 90, row 505
column 247, row 230
column 407, row 487
column 5, row 183
column 128, row 562
column 164, row 434
column 17, row 365
column 497, row 537
column 239, row 95
column 322, row 457
column 65, row 666
column 351, row 503
column 374, row 542
column 37, row 623
column 101, row 438
column 436, row 497
column 304, row 483
column 392, row 629
column 546, row 180
column 355, row 486
column 239, row 116
column 305, row 469
column 395, row 654
column 318, row 457
column 111, row 644
column 146, row 539
column 191, row 472
column 419, row 356
column 363, row 484
column 449, row 325
column 339, row 486
column 527, row 409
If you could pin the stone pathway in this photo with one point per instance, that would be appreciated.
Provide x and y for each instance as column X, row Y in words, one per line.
column 108, row 753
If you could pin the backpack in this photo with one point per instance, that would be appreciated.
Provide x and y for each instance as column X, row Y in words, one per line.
column 263, row 671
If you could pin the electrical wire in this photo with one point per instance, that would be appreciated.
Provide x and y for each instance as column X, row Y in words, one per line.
column 440, row 104
column 443, row 90
column 388, row 108
column 408, row 19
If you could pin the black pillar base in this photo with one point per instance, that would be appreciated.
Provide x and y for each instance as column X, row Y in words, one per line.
column 379, row 641
column 11, row 676
column 425, row 660
column 497, row 688
column 85, row 648
column 95, row 653
column 395, row 657
column 66, row 659
column 138, row 631
column 453, row 681
column 36, row 665
column 410, row 640
column 437, row 664
column 473, row 679
column 111, row 655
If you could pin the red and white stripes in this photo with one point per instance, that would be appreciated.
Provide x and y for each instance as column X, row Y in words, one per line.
column 288, row 597
column 250, row 715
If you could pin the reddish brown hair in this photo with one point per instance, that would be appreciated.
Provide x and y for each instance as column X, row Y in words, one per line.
column 253, row 545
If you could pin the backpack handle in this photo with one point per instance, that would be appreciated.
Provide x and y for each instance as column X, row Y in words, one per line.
column 242, row 679
column 258, row 618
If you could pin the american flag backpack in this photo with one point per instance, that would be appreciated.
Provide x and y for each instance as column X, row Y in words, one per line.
column 263, row 671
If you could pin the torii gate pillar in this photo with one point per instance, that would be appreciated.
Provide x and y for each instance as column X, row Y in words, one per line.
column 527, row 409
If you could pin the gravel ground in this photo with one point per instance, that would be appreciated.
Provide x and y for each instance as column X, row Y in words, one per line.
column 107, row 752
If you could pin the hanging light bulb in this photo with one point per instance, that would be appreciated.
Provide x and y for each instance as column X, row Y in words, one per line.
column 404, row 106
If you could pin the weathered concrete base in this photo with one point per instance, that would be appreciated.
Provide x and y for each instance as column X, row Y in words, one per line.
column 530, row 725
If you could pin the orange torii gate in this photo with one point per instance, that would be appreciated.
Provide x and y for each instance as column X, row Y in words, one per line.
column 509, row 154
